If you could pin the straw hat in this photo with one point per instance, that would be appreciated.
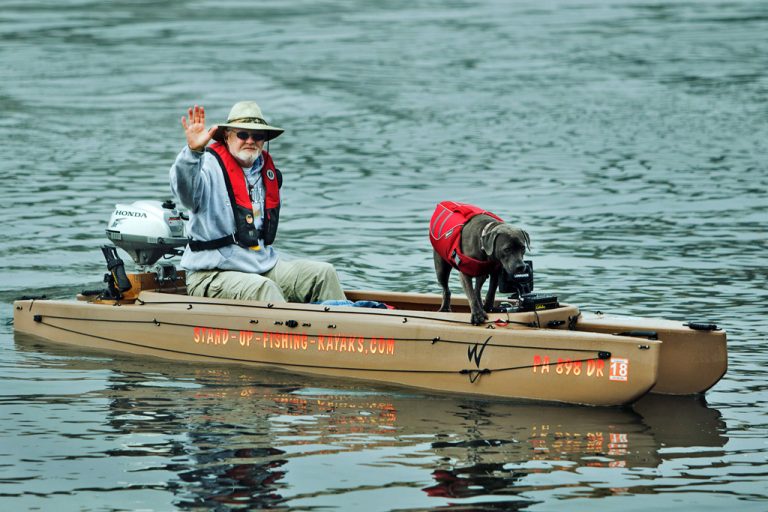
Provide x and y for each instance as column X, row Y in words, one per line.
column 247, row 115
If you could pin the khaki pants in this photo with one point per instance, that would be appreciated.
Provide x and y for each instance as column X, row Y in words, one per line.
column 288, row 281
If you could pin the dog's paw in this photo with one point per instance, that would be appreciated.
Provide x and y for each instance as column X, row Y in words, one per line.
column 479, row 317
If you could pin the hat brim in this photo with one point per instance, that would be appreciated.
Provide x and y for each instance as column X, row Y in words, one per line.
column 271, row 131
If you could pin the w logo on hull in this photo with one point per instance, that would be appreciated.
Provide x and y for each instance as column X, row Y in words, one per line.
column 475, row 352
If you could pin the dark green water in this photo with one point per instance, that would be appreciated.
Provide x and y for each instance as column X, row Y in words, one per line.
column 629, row 139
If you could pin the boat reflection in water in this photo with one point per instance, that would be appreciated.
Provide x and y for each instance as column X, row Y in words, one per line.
column 501, row 443
column 229, row 435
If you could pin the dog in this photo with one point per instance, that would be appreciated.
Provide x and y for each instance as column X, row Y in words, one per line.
column 480, row 245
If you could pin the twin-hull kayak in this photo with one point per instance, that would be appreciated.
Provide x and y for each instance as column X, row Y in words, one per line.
column 556, row 354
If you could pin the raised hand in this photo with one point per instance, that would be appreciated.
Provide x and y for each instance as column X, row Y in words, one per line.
column 197, row 135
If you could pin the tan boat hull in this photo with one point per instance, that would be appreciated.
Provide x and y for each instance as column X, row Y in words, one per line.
column 429, row 350
column 691, row 361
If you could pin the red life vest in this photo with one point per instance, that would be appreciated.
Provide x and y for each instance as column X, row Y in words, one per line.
column 242, row 208
column 445, row 235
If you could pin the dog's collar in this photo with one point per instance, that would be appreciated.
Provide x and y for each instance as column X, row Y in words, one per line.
column 484, row 232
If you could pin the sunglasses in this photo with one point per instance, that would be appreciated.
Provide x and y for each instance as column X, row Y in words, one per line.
column 253, row 135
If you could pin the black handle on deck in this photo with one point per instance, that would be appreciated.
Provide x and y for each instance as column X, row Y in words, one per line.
column 702, row 326
column 651, row 335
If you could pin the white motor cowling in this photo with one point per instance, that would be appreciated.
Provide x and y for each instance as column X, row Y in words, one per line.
column 147, row 230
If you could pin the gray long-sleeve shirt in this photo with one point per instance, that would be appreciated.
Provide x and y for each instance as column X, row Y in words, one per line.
column 198, row 182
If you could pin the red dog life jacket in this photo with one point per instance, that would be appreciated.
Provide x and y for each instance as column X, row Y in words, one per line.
column 445, row 235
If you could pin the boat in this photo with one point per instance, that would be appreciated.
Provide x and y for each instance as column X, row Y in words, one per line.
column 532, row 348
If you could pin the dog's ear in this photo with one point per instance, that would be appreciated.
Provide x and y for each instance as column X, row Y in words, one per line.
column 488, row 242
column 527, row 239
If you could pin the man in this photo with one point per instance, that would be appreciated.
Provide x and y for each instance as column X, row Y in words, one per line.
column 232, row 191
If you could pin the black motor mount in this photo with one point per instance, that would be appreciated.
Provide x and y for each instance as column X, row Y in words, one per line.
column 117, row 281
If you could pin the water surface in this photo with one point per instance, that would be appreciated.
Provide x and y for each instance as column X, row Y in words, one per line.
column 628, row 138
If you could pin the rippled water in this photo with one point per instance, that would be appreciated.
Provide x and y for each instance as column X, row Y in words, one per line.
column 629, row 138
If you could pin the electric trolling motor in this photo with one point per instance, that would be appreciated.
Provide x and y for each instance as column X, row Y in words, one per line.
column 519, row 283
column 519, row 286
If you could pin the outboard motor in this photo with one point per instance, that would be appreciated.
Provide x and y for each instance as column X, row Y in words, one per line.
column 147, row 230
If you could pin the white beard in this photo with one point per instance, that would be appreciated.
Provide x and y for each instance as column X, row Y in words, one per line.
column 246, row 157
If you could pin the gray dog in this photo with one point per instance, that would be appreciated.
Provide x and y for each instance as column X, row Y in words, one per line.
column 483, row 247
